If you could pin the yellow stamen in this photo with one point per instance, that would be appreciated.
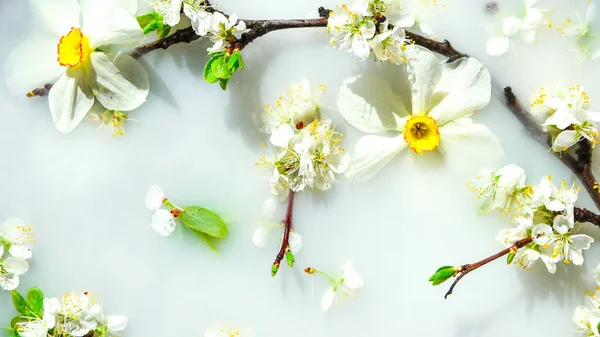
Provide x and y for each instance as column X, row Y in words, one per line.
column 73, row 48
column 422, row 134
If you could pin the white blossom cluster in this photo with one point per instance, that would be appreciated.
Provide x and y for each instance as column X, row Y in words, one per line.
column 221, row 30
column 15, row 238
column 586, row 32
column 307, row 151
column 76, row 315
column 376, row 25
column 569, row 118
column 542, row 212
column 587, row 317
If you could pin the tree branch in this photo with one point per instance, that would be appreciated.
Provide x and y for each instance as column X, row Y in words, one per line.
column 285, row 242
column 467, row 268
column 582, row 168
column 442, row 48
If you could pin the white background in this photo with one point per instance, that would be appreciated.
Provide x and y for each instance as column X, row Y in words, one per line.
column 84, row 195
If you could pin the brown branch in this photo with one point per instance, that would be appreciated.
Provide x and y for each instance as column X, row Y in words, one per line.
column 585, row 215
column 467, row 268
column 580, row 166
column 442, row 48
column 285, row 242
column 259, row 28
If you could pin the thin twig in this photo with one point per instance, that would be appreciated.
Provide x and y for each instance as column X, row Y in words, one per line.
column 467, row 268
column 287, row 229
column 582, row 168
column 442, row 48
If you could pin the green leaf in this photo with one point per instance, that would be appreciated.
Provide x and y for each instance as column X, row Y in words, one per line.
column 208, row 74
column 204, row 221
column 219, row 68
column 289, row 257
column 216, row 54
column 20, row 304
column 442, row 274
column 510, row 258
column 274, row 269
column 150, row 22
column 233, row 61
column 35, row 299
column 163, row 31
column 223, row 83
column 207, row 239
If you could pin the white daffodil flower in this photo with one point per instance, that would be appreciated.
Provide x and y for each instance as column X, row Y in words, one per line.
column 163, row 221
column 85, row 69
column 10, row 270
column 500, row 190
column 294, row 109
column 350, row 31
column 389, row 45
column 416, row 12
column 18, row 236
column 259, row 238
column 223, row 30
column 587, row 317
column 444, row 97
column 222, row 330
column 520, row 19
column 547, row 195
column 349, row 283
column 586, row 32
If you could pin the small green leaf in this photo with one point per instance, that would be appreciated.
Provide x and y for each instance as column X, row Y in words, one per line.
column 232, row 62
column 163, row 31
column 144, row 19
column 442, row 274
column 274, row 269
column 208, row 74
column 152, row 26
column 204, row 221
column 16, row 320
column 20, row 304
column 219, row 68
column 207, row 239
column 223, row 83
column 150, row 22
column 35, row 299
column 289, row 257
column 510, row 258
column 216, row 54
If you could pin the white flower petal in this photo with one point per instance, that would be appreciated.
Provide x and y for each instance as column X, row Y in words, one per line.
column 259, row 237
column 467, row 85
column 424, row 72
column 58, row 15
column 405, row 22
column 327, row 299
column 360, row 46
column 106, row 22
column 118, row 81
column 154, row 197
column 542, row 234
column 510, row 26
column 581, row 241
column 15, row 266
column 269, row 207
column 116, row 323
column 70, row 99
column 371, row 154
column 497, row 46
column 163, row 222
column 281, row 135
column 9, row 281
column 452, row 132
column 19, row 252
column 295, row 242
column 564, row 140
column 426, row 30
column 352, row 278
column 597, row 274
column 369, row 104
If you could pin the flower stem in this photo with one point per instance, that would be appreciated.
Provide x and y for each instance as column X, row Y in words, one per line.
column 580, row 166
column 285, row 242
column 467, row 268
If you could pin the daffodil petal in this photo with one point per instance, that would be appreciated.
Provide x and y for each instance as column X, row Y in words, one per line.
column 58, row 15
column 371, row 154
column 70, row 99
column 467, row 86
column 368, row 104
column 424, row 72
column 120, row 82
column 107, row 22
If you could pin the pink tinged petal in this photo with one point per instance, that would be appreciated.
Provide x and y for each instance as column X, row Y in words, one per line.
column 360, row 46
column 295, row 241
column 259, row 237
column 154, row 197
column 20, row 252
column 118, row 81
column 369, row 104
column 371, row 154
column 15, row 266
column 497, row 46
column 424, row 73
column 111, row 26
column 58, row 15
column 327, row 300
column 163, row 222
column 467, row 86
column 70, row 99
